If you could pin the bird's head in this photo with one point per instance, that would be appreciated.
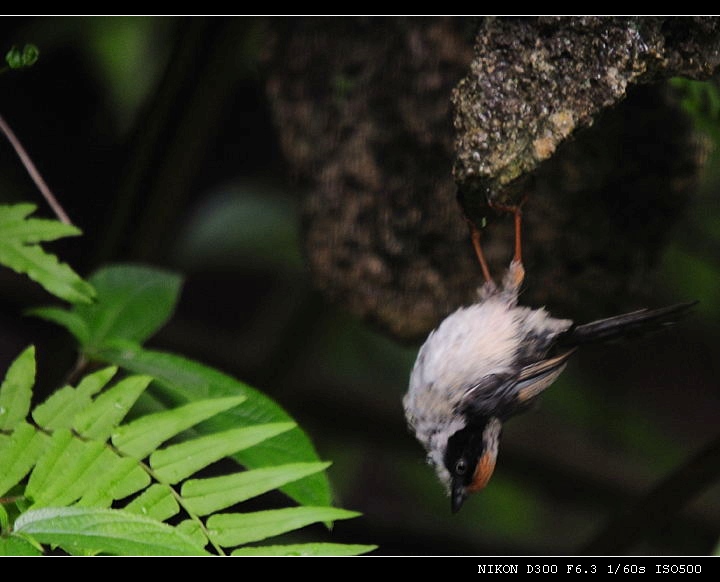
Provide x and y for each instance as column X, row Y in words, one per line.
column 470, row 458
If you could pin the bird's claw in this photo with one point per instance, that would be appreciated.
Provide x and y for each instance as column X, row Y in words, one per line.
column 514, row 276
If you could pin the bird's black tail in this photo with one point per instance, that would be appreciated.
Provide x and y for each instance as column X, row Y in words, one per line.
column 626, row 325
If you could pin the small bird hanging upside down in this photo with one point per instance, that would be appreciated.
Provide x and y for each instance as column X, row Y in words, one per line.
column 488, row 362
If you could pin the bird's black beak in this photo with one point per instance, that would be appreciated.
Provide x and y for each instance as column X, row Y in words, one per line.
column 457, row 497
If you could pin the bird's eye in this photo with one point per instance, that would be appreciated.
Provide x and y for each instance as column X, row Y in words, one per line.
column 460, row 467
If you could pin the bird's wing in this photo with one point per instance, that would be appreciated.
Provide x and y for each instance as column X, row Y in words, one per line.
column 490, row 395
column 535, row 378
column 504, row 394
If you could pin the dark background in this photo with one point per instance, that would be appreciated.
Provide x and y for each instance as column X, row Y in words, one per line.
column 197, row 183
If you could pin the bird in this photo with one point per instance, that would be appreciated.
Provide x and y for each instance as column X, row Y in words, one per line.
column 491, row 360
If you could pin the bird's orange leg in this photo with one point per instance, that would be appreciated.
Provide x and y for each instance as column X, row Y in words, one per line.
column 477, row 245
column 516, row 271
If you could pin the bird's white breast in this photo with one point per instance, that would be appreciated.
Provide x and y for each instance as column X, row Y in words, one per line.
column 468, row 345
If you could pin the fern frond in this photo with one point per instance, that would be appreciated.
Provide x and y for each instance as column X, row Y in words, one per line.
column 20, row 250
column 132, row 303
column 81, row 477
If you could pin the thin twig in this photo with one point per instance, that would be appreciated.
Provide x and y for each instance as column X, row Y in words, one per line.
column 33, row 171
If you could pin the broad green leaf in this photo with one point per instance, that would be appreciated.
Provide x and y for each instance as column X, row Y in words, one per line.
column 70, row 320
column 17, row 546
column 205, row 496
column 181, row 380
column 16, row 390
column 156, row 501
column 317, row 549
column 179, row 461
column 19, row 250
column 18, row 453
column 61, row 407
column 142, row 436
column 234, row 529
column 100, row 418
column 133, row 302
column 108, row 531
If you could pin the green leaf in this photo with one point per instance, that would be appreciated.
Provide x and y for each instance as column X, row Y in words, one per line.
column 194, row 530
column 19, row 453
column 108, row 531
column 234, row 529
column 72, row 469
column 66, row 470
column 19, row 59
column 181, row 380
column 16, row 390
column 182, row 460
column 17, row 546
column 142, row 436
column 4, row 520
column 19, row 250
column 100, row 418
column 14, row 213
column 61, row 407
column 45, row 269
column 70, row 320
column 133, row 302
column 205, row 496
column 156, row 501
column 125, row 477
column 318, row 549
column 35, row 230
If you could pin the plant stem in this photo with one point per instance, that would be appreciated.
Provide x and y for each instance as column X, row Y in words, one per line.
column 33, row 171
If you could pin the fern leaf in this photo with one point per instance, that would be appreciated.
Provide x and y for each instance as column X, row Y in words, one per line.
column 98, row 419
column 193, row 529
column 19, row 250
column 122, row 479
column 180, row 379
column 81, row 459
column 205, row 496
column 182, row 460
column 60, row 476
column 132, row 303
column 234, row 529
column 16, row 390
column 157, row 501
column 13, row 213
column 18, row 454
column 142, row 436
column 61, row 407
